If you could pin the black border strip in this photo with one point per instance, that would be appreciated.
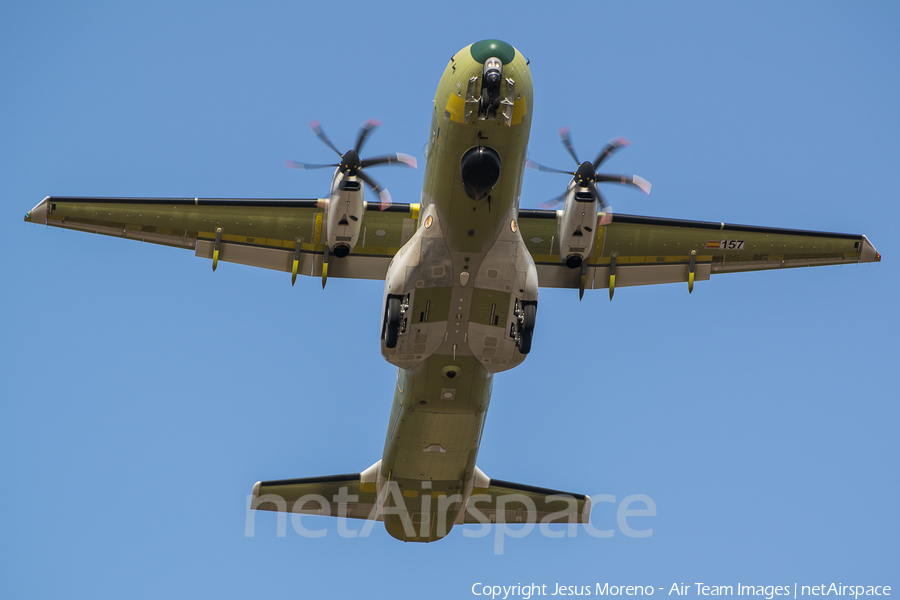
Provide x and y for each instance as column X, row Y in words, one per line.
column 533, row 489
column 307, row 480
column 246, row 202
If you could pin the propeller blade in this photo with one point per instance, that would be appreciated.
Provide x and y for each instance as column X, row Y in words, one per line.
column 553, row 201
column 390, row 159
column 383, row 194
column 317, row 129
column 566, row 139
column 634, row 180
column 598, row 196
column 605, row 217
column 539, row 167
column 364, row 132
column 607, row 151
column 293, row 164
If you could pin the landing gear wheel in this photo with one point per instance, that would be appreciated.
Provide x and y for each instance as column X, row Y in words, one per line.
column 527, row 333
column 392, row 329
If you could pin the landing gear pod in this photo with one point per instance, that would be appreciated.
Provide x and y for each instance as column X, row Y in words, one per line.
column 479, row 170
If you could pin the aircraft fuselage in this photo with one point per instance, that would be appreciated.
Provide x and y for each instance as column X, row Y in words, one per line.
column 463, row 281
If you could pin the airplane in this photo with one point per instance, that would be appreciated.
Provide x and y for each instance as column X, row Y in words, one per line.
column 462, row 270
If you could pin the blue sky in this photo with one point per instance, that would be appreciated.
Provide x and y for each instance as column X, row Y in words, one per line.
column 143, row 395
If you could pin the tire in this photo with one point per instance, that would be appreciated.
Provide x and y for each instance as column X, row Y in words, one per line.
column 530, row 317
column 527, row 333
column 392, row 329
column 525, row 342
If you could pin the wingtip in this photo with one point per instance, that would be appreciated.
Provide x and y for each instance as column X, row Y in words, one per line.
column 868, row 253
column 586, row 512
column 38, row 214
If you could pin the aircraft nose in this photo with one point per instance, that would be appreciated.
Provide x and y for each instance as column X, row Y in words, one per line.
column 38, row 214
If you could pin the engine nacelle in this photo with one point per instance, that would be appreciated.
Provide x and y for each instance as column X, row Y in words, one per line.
column 576, row 225
column 344, row 213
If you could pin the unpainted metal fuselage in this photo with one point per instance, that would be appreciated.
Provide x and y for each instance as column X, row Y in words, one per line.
column 461, row 278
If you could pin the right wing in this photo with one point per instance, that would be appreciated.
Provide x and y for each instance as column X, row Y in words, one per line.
column 263, row 233
column 634, row 250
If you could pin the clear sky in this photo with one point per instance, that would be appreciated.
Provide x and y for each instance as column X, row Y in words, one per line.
column 142, row 395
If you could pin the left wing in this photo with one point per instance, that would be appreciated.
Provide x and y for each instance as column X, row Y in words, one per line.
column 633, row 250
column 265, row 233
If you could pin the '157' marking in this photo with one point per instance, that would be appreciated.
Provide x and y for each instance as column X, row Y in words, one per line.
column 726, row 244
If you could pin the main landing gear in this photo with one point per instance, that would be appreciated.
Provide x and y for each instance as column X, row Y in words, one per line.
column 393, row 322
column 523, row 325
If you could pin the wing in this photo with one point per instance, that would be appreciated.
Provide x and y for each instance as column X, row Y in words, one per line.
column 265, row 233
column 646, row 250
column 525, row 504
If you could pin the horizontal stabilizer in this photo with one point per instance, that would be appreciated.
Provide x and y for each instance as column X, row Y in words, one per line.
column 355, row 496
column 352, row 495
column 507, row 502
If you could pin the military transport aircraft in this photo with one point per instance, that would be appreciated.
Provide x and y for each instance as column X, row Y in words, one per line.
column 462, row 270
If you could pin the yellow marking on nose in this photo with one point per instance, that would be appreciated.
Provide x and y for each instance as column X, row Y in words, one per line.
column 456, row 106
column 520, row 108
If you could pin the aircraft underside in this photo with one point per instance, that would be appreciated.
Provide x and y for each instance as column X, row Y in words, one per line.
column 461, row 271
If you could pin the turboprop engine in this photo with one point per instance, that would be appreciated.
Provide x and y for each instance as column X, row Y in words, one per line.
column 584, row 208
column 576, row 224
column 345, row 205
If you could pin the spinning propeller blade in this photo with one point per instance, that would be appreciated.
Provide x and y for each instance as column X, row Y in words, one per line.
column 586, row 174
column 352, row 165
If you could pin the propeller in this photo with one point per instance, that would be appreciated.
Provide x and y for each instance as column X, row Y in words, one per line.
column 586, row 174
column 352, row 165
